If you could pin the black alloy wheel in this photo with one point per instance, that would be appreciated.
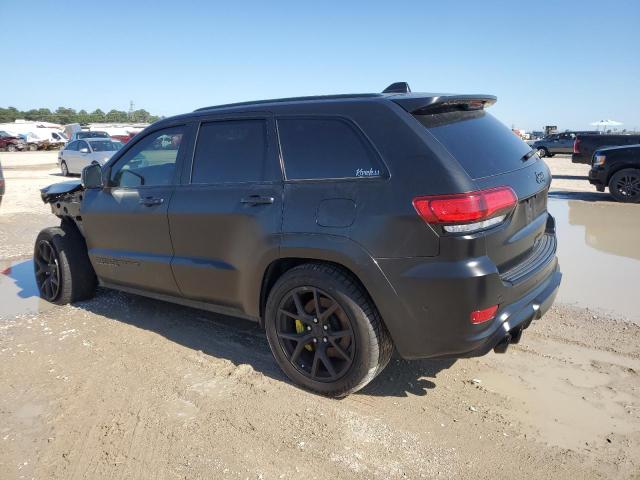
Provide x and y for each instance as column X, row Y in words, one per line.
column 47, row 270
column 315, row 334
column 629, row 185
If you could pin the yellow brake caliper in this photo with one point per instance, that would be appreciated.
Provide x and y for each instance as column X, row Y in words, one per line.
column 300, row 329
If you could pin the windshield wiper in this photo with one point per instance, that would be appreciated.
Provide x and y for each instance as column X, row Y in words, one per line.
column 528, row 155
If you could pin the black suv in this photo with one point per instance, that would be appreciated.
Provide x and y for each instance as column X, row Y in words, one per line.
column 619, row 169
column 346, row 225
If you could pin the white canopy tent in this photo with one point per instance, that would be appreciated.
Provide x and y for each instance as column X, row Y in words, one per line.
column 606, row 123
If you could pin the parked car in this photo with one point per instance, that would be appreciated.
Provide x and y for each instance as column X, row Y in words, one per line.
column 88, row 134
column 11, row 143
column 1, row 184
column 80, row 153
column 585, row 145
column 347, row 226
column 556, row 143
column 619, row 169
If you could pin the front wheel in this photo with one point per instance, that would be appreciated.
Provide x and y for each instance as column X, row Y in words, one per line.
column 543, row 152
column 62, row 268
column 11, row 148
column 624, row 185
column 324, row 331
column 64, row 169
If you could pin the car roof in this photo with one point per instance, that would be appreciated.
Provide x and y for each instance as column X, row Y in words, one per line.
column 407, row 100
column 398, row 93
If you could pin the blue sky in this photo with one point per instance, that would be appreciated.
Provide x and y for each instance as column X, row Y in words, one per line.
column 564, row 63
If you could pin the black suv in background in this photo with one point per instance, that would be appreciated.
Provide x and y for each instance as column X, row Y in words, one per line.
column 619, row 169
column 346, row 225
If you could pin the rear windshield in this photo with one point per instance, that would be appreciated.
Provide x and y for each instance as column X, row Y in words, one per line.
column 478, row 141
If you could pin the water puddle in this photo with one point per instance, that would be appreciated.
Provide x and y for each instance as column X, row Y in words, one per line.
column 18, row 290
column 599, row 253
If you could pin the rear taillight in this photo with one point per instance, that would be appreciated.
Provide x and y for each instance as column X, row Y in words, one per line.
column 576, row 146
column 467, row 212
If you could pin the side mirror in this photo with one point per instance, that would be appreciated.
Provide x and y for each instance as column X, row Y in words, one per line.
column 92, row 176
column 84, row 150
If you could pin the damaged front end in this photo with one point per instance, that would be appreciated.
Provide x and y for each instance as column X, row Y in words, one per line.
column 65, row 199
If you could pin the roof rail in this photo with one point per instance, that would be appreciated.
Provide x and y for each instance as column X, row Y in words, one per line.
column 291, row 99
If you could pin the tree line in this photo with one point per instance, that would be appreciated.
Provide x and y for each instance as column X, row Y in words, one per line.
column 63, row 116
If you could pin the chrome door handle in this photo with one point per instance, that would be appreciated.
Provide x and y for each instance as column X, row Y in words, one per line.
column 151, row 201
column 252, row 200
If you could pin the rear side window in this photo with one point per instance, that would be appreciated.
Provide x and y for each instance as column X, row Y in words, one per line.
column 317, row 148
column 231, row 151
column 478, row 141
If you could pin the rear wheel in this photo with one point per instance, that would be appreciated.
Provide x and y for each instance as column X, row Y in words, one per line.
column 64, row 169
column 324, row 331
column 543, row 152
column 624, row 185
column 11, row 148
column 33, row 147
column 62, row 268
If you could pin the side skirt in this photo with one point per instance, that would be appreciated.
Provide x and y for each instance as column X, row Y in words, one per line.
column 231, row 312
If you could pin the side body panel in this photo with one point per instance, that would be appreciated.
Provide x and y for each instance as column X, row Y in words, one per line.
column 127, row 228
column 223, row 242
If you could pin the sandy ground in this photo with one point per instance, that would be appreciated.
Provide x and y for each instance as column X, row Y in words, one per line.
column 126, row 387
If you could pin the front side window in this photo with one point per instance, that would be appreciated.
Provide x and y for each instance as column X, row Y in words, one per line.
column 151, row 161
column 83, row 144
column 72, row 146
column 317, row 148
column 231, row 151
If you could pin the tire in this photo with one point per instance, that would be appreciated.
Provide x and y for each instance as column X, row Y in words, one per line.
column 543, row 152
column 64, row 169
column 624, row 185
column 63, row 275
column 11, row 148
column 350, row 327
column 33, row 147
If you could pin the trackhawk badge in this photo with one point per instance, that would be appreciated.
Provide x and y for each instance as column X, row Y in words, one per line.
column 540, row 177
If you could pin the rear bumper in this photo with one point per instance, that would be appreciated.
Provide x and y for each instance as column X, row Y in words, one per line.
column 434, row 300
column 516, row 317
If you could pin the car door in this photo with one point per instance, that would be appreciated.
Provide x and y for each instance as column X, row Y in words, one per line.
column 68, row 155
column 225, row 218
column 125, row 223
column 83, row 156
column 565, row 145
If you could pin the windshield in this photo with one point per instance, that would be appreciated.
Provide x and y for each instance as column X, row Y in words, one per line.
column 104, row 146
column 93, row 135
column 478, row 141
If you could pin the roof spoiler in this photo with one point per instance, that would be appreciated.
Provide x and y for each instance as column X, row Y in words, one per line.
column 425, row 105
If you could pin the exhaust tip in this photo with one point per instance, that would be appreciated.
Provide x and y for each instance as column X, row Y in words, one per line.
column 502, row 346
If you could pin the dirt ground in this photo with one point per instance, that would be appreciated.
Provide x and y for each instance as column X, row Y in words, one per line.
column 126, row 387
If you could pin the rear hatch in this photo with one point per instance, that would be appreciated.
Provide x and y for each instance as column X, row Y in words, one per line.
column 495, row 157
